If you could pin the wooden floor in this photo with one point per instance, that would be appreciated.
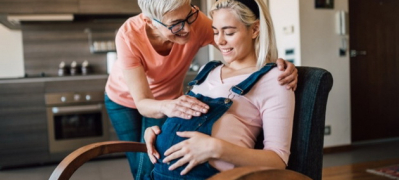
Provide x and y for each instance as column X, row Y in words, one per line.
column 357, row 171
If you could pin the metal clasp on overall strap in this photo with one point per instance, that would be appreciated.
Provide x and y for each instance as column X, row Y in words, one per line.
column 229, row 97
column 188, row 89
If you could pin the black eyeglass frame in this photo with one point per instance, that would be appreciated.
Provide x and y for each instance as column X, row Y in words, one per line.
column 181, row 22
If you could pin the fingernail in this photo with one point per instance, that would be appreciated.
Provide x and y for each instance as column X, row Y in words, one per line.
column 197, row 113
column 204, row 110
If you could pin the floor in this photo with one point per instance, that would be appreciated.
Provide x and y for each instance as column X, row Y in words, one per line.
column 107, row 169
column 364, row 153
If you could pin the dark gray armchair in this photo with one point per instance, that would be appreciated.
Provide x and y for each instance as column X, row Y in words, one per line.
column 314, row 85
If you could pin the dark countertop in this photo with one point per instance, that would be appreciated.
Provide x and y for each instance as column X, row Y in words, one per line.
column 53, row 78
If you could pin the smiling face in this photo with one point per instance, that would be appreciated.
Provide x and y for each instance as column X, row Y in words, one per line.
column 234, row 39
column 172, row 18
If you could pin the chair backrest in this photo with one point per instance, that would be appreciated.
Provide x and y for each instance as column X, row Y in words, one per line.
column 314, row 85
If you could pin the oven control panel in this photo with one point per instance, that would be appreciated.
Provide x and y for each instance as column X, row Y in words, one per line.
column 74, row 98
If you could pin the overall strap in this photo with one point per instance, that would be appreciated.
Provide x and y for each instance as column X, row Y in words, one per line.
column 204, row 72
column 245, row 86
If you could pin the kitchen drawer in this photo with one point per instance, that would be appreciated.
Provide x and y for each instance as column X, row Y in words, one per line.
column 75, row 85
column 23, row 124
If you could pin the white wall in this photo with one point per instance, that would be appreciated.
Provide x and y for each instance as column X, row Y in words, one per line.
column 285, row 14
column 317, row 45
column 320, row 47
column 11, row 53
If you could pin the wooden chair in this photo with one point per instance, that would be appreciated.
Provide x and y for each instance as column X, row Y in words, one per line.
column 314, row 85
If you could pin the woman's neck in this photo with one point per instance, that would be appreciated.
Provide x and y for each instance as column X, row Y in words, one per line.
column 158, row 42
column 235, row 69
column 249, row 61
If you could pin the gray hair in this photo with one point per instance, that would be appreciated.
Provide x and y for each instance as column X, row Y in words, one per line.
column 156, row 9
column 265, row 43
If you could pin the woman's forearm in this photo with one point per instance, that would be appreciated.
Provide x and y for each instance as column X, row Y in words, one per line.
column 242, row 156
column 150, row 108
column 139, row 89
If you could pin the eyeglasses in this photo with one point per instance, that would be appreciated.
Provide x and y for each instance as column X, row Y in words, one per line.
column 175, row 28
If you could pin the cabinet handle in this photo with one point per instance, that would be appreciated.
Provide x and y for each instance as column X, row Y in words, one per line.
column 76, row 109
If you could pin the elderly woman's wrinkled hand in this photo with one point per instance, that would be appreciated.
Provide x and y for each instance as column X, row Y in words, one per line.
column 184, row 107
column 290, row 75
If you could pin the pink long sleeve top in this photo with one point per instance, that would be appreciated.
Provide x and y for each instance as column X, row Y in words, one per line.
column 268, row 106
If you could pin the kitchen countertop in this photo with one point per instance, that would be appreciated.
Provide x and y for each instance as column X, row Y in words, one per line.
column 53, row 78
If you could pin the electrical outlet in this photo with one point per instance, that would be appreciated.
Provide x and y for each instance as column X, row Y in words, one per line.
column 327, row 130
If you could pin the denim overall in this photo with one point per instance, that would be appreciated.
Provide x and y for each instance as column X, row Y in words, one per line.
column 203, row 124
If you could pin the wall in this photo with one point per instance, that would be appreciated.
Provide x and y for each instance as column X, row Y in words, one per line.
column 11, row 56
column 320, row 47
column 285, row 15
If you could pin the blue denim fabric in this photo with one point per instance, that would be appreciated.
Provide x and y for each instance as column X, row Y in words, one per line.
column 204, row 123
column 129, row 125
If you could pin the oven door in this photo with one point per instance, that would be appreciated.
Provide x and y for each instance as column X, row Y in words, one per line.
column 73, row 126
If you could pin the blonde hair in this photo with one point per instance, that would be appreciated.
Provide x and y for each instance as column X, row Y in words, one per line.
column 156, row 9
column 265, row 43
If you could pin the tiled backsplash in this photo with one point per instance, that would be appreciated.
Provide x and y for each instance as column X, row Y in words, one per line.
column 47, row 44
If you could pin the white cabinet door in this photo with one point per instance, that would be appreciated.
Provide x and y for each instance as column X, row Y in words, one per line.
column 11, row 53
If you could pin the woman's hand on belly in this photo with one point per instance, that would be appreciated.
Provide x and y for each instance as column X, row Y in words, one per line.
column 150, row 136
column 197, row 149
column 184, row 107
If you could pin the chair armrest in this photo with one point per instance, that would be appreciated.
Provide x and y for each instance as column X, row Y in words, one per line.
column 259, row 172
column 77, row 158
column 80, row 156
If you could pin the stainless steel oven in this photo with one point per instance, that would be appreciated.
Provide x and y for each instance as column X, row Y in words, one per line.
column 75, row 119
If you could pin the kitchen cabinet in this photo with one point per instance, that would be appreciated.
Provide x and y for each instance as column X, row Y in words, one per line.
column 108, row 7
column 23, row 116
column 69, row 6
column 114, row 6
column 73, row 6
column 84, row 85
column 23, row 125
column 38, row 6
